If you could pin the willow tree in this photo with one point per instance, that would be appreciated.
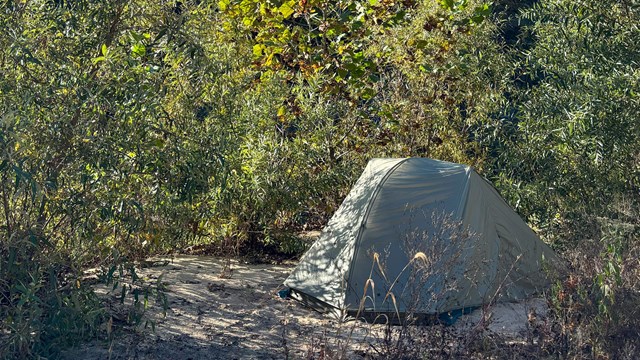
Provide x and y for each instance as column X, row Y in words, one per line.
column 575, row 150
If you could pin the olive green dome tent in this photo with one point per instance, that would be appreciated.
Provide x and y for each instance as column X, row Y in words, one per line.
column 425, row 237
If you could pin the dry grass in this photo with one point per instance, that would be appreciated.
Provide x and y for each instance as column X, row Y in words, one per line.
column 593, row 313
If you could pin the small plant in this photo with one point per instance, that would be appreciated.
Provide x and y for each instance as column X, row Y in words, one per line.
column 595, row 308
column 125, row 284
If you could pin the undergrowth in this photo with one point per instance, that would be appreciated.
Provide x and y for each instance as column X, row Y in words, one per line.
column 593, row 313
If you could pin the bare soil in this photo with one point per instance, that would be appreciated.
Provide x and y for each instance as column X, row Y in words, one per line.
column 214, row 313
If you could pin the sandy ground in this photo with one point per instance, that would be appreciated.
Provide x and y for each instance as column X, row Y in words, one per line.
column 216, row 314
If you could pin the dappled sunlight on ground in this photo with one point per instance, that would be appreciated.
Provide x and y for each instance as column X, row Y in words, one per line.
column 209, row 316
column 213, row 314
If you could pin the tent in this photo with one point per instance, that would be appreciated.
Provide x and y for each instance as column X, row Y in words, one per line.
column 422, row 237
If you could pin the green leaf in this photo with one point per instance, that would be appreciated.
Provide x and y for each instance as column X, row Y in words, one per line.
column 286, row 9
column 104, row 49
column 368, row 93
column 138, row 49
column 480, row 13
column 248, row 20
column 446, row 4
column 258, row 50
column 157, row 142
column 421, row 44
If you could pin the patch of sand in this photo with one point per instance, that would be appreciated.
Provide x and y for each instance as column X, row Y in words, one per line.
column 510, row 320
column 240, row 316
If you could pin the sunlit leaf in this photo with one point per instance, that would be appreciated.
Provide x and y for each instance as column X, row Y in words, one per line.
column 286, row 9
column 138, row 49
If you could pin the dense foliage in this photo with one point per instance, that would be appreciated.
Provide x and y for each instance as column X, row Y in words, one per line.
column 132, row 128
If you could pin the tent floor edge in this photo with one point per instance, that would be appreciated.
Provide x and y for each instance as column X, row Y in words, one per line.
column 377, row 317
column 314, row 303
column 414, row 319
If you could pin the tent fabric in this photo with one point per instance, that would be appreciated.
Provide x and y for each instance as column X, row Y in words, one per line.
column 474, row 248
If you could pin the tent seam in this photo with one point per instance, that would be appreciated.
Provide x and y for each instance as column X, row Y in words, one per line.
column 462, row 205
column 376, row 191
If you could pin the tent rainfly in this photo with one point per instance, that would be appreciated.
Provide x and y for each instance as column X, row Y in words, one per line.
column 422, row 237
